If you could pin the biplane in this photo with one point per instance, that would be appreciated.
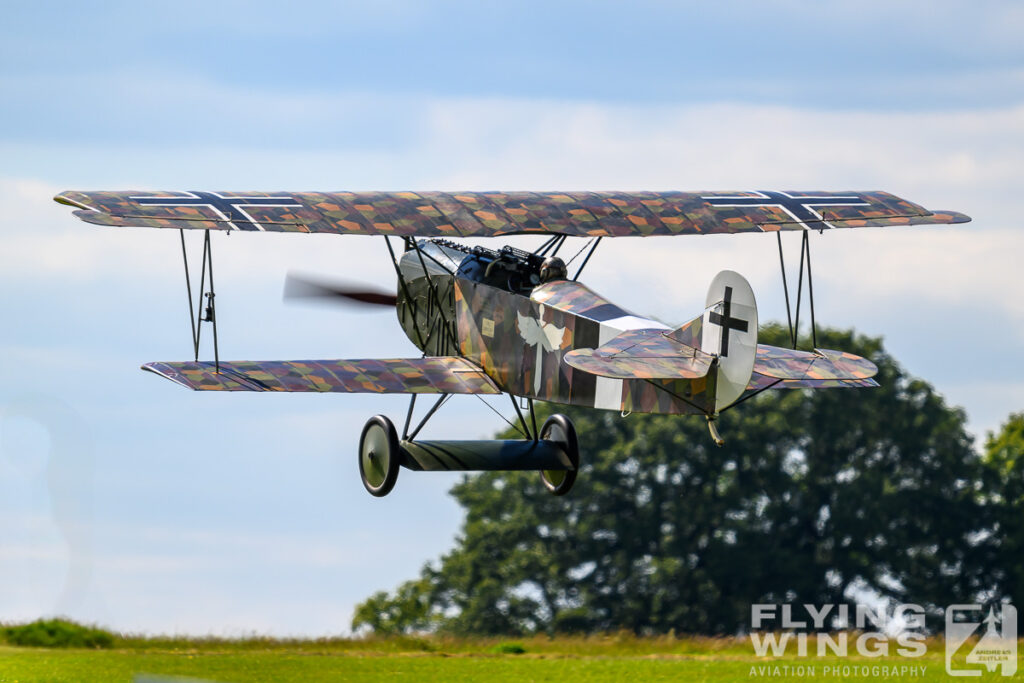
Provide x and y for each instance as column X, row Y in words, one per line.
column 511, row 321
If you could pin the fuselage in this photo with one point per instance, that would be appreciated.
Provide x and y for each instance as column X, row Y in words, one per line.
column 455, row 302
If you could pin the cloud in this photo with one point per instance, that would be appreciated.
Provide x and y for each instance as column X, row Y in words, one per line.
column 44, row 242
column 835, row 54
column 962, row 160
column 711, row 146
column 85, row 297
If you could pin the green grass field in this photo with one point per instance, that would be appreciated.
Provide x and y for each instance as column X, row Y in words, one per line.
column 608, row 658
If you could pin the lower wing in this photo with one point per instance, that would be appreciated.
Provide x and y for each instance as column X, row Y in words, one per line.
column 436, row 375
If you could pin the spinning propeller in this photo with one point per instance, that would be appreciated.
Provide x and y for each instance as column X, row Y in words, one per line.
column 338, row 291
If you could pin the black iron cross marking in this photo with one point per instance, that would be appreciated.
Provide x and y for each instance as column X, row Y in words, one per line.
column 727, row 322
column 798, row 207
column 227, row 208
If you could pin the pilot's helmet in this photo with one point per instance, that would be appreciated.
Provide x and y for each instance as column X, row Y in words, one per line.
column 553, row 268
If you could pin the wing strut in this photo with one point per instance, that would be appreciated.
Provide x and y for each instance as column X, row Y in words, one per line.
column 208, row 313
column 805, row 256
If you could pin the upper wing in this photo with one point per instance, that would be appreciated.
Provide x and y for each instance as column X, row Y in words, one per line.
column 437, row 375
column 642, row 354
column 490, row 214
column 792, row 369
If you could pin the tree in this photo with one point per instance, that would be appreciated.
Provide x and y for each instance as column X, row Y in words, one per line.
column 813, row 493
column 1004, row 462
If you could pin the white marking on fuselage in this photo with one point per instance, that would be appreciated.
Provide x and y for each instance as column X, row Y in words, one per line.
column 607, row 390
column 633, row 322
column 545, row 336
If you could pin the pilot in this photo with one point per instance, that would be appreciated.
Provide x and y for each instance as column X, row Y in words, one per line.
column 553, row 268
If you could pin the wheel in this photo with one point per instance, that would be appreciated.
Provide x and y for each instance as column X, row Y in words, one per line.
column 378, row 456
column 559, row 428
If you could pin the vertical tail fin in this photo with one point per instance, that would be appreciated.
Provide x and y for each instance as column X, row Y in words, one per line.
column 728, row 330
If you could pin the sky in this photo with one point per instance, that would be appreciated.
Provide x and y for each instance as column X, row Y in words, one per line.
column 130, row 502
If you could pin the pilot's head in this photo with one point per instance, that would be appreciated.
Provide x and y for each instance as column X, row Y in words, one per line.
column 553, row 268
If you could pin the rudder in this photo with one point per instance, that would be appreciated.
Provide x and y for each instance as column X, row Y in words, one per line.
column 729, row 332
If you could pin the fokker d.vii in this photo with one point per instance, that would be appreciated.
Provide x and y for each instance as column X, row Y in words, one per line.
column 514, row 322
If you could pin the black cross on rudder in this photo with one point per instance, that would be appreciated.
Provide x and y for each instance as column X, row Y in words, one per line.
column 727, row 322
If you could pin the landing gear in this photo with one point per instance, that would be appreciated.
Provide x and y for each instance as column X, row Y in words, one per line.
column 552, row 450
column 560, row 430
column 379, row 456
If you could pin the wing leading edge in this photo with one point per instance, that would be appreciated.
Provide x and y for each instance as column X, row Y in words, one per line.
column 492, row 214
column 432, row 375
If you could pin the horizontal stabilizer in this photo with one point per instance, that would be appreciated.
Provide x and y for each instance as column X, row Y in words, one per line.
column 642, row 354
column 758, row 382
column 822, row 368
column 437, row 375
